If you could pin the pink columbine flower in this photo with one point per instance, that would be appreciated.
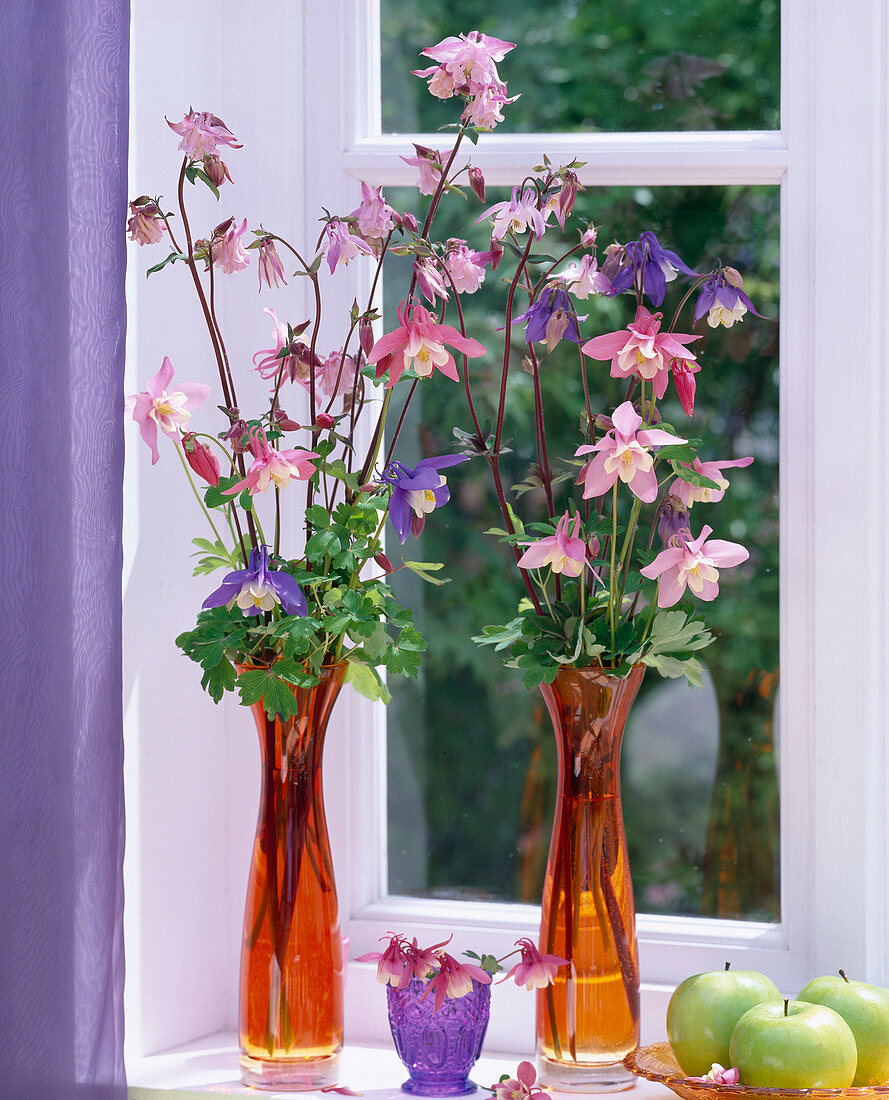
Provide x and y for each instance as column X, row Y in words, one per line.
column 418, row 342
column 428, row 161
column 690, row 494
column 585, row 278
column 423, row 960
column 430, row 281
column 468, row 63
column 485, row 110
column 454, row 979
column 641, row 349
column 374, row 215
column 170, row 411
column 622, row 453
column 533, row 970
column 295, row 366
column 720, row 1076
column 392, row 964
column 520, row 1087
column 464, row 266
column 201, row 132
column 228, row 252
column 271, row 467
column 518, row 215
column 694, row 563
column 333, row 376
column 271, row 270
column 564, row 552
column 145, row 226
column 343, row 245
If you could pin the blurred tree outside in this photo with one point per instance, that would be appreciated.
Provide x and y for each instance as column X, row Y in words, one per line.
column 471, row 753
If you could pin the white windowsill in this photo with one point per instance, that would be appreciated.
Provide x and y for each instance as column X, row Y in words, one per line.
column 208, row 1067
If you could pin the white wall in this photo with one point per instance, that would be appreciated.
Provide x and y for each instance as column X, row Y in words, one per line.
column 191, row 767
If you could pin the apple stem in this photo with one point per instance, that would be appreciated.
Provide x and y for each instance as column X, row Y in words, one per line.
column 842, row 974
column 727, row 965
column 786, row 1003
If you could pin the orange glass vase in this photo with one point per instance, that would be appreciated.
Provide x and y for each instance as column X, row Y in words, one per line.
column 588, row 1020
column 291, row 1002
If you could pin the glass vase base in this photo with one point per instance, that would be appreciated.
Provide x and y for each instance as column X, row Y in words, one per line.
column 565, row 1077
column 290, row 1075
column 434, row 1088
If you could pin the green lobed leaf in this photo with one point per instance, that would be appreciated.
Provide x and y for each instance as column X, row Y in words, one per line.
column 367, row 681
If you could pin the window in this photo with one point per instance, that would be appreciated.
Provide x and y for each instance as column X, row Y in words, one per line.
column 191, row 810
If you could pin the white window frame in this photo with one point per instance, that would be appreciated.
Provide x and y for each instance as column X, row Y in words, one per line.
column 190, row 818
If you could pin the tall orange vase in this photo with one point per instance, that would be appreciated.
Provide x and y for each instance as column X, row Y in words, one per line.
column 291, row 1002
column 588, row 1020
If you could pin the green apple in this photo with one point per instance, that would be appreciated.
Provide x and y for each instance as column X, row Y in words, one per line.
column 703, row 1012
column 793, row 1045
column 865, row 1008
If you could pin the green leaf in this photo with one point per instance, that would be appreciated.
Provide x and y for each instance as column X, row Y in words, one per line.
column 672, row 667
column 200, row 174
column 277, row 697
column 337, row 469
column 424, row 569
column 317, row 515
column 171, row 259
column 693, row 477
column 367, row 681
column 322, row 543
column 214, row 497
column 219, row 679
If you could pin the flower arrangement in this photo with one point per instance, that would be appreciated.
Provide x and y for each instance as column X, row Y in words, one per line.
column 277, row 618
column 404, row 960
column 594, row 595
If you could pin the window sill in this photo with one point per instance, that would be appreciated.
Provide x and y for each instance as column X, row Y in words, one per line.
column 208, row 1067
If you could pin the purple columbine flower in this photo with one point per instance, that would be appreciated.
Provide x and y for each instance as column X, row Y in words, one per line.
column 658, row 265
column 258, row 588
column 551, row 317
column 417, row 492
column 723, row 299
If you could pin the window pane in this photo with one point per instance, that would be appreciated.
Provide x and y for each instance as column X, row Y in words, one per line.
column 592, row 65
column 471, row 752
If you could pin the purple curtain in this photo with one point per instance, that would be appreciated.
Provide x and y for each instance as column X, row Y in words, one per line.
column 63, row 146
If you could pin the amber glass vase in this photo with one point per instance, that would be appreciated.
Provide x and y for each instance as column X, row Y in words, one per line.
column 588, row 1020
column 291, row 1003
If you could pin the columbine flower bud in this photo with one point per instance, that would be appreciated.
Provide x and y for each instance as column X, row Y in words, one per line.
column 477, row 182
column 216, row 169
column 366, row 335
column 568, row 194
column 555, row 328
column 271, row 270
column 237, row 436
column 383, row 562
column 672, row 518
column 615, row 258
column 588, row 240
column 325, row 421
column 283, row 421
column 430, row 281
column 200, row 458
column 409, row 221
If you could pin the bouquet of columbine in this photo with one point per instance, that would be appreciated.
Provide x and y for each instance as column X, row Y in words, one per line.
column 598, row 591
column 280, row 614
column 404, row 961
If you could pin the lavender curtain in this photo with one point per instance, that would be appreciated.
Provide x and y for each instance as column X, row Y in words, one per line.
column 63, row 144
